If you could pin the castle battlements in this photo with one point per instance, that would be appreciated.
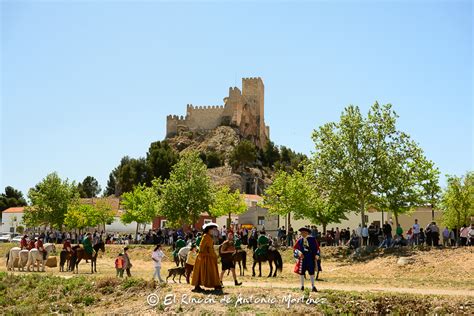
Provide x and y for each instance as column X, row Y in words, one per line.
column 246, row 105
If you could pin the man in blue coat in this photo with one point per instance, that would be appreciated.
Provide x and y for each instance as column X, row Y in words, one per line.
column 306, row 249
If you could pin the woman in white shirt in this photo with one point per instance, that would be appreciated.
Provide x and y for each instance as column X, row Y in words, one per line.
column 157, row 256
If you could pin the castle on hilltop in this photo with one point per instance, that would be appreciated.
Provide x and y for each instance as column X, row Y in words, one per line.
column 243, row 110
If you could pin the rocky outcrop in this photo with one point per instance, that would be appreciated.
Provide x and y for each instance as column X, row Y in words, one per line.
column 222, row 140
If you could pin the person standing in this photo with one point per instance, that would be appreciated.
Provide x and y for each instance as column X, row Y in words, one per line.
column 399, row 230
column 157, row 256
column 290, row 236
column 445, row 237
column 127, row 264
column 205, row 269
column 337, row 236
column 226, row 251
column 365, row 235
column 306, row 249
column 190, row 262
column 463, row 234
column 435, row 234
column 428, row 235
column 119, row 262
column 416, row 232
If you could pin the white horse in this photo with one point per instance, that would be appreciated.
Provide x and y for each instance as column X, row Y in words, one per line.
column 12, row 255
column 183, row 253
column 34, row 255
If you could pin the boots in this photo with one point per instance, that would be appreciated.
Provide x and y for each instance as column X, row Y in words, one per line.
column 237, row 283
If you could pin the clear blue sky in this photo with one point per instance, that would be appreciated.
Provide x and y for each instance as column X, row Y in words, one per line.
column 85, row 83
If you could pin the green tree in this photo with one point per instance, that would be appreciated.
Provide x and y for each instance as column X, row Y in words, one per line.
column 287, row 193
column 128, row 174
column 350, row 158
column 20, row 229
column 89, row 187
column 270, row 154
column 244, row 154
column 104, row 213
column 322, row 206
column 160, row 158
column 212, row 159
column 50, row 200
column 141, row 205
column 81, row 216
column 111, row 184
column 457, row 200
column 290, row 161
column 227, row 203
column 188, row 191
column 11, row 198
column 409, row 179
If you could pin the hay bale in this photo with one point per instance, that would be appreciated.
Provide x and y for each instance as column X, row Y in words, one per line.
column 403, row 261
column 52, row 262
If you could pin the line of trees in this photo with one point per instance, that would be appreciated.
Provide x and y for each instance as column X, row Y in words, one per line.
column 358, row 163
column 361, row 163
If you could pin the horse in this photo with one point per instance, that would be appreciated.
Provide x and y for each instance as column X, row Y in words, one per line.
column 17, row 254
column 12, row 255
column 35, row 255
column 182, row 256
column 64, row 258
column 272, row 255
column 80, row 253
column 240, row 257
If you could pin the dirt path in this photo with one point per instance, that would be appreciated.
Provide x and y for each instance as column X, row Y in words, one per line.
column 357, row 288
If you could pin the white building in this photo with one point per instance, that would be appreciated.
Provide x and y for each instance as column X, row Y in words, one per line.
column 13, row 217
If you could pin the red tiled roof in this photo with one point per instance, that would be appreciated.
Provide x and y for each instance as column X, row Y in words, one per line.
column 114, row 203
column 15, row 209
column 252, row 197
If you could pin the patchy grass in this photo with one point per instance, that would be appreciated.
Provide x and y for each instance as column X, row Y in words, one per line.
column 36, row 294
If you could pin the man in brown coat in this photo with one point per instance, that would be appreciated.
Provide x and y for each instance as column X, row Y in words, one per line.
column 205, row 269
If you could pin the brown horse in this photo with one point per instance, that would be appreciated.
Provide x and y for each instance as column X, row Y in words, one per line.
column 272, row 256
column 64, row 258
column 80, row 253
column 240, row 256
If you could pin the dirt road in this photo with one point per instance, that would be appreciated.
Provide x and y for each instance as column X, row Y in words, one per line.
column 356, row 288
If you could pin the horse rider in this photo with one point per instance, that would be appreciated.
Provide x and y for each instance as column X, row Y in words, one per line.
column 24, row 242
column 31, row 243
column 198, row 239
column 180, row 243
column 237, row 242
column 67, row 245
column 87, row 244
column 262, row 244
column 306, row 249
column 39, row 245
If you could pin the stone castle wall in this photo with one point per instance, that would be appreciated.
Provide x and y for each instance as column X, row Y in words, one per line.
column 244, row 110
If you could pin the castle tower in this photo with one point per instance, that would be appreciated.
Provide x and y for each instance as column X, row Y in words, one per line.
column 253, row 91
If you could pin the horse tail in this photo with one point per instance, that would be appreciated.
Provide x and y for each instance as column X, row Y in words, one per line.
column 244, row 259
column 8, row 257
column 278, row 261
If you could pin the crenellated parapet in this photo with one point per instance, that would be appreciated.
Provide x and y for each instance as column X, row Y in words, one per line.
column 246, row 103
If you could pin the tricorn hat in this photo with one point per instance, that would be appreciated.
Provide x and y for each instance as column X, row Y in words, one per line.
column 305, row 229
column 209, row 225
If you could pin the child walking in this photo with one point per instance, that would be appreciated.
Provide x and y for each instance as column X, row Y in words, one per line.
column 119, row 265
column 157, row 256
column 190, row 260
